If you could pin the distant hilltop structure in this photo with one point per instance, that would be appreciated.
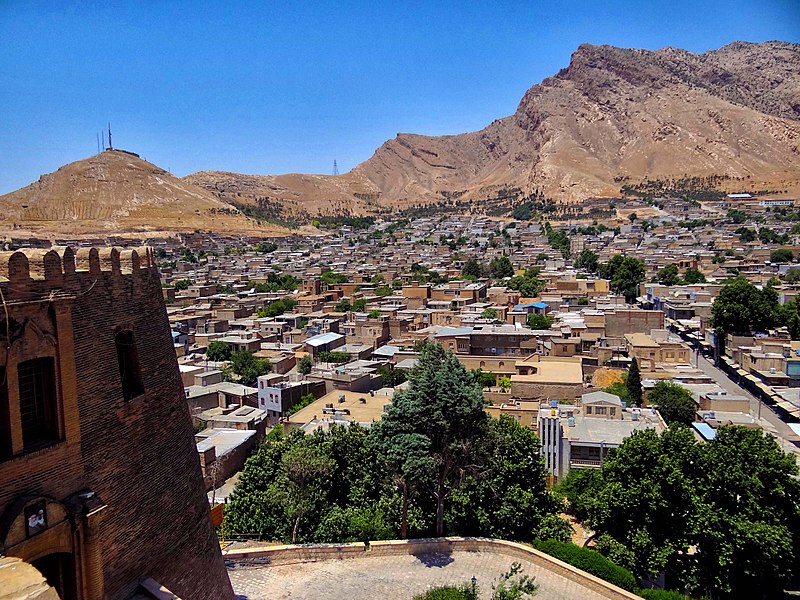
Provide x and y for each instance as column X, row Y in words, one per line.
column 100, row 486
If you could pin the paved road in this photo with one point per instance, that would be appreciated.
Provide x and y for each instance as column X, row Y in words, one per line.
column 390, row 578
column 767, row 414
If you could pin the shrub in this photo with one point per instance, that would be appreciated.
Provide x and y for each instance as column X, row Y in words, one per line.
column 448, row 592
column 661, row 595
column 590, row 561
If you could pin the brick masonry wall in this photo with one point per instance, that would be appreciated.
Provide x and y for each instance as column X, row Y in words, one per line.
column 139, row 456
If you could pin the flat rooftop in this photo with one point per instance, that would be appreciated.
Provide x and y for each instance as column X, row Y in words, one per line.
column 367, row 411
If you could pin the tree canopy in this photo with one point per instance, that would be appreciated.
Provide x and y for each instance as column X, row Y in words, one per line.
column 735, row 501
column 587, row 261
column 633, row 383
column 742, row 308
column 245, row 368
column 674, row 402
column 624, row 273
column 501, row 267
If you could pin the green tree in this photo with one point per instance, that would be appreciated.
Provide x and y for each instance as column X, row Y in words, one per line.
column 273, row 309
column 782, row 255
column 472, row 269
column 587, row 261
column 693, row 275
column 218, row 351
column 646, row 498
column 633, row 383
column 305, row 364
column 444, row 405
column 374, row 314
column 343, row 305
column 536, row 321
column 624, row 273
column 334, row 357
column 741, row 308
column 501, row 267
column 489, row 313
column 737, row 216
column 528, row 285
column 391, row 377
column 360, row 305
column 674, row 402
column 246, row 367
column 182, row 284
column 507, row 498
column 792, row 276
column 331, row 278
column 749, row 516
column 306, row 470
column 668, row 275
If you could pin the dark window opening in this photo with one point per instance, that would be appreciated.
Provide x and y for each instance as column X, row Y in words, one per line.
column 37, row 402
column 59, row 571
column 129, row 371
column 5, row 418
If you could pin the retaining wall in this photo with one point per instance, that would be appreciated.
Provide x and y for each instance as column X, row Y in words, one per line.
column 282, row 555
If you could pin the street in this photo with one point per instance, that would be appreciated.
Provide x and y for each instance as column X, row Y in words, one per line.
column 783, row 431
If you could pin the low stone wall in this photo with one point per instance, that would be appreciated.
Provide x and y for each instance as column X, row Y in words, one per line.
column 282, row 555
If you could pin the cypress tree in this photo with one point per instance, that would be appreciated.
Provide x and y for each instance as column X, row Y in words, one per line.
column 634, row 383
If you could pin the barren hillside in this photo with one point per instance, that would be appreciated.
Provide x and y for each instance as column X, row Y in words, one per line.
column 612, row 113
column 116, row 191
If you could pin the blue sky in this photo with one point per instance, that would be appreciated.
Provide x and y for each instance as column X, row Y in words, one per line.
column 274, row 87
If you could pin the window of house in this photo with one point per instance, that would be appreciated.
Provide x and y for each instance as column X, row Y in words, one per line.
column 37, row 402
column 600, row 410
column 5, row 418
column 129, row 371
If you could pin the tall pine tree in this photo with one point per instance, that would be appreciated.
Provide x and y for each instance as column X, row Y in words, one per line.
column 440, row 414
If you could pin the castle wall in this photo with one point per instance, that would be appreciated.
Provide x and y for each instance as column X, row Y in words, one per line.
column 138, row 455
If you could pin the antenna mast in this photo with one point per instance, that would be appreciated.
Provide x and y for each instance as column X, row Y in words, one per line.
column 110, row 147
column 335, row 167
column 97, row 135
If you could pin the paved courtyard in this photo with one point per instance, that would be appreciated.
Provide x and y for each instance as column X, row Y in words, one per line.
column 388, row 577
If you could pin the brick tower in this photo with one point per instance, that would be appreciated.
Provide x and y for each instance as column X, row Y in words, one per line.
column 100, row 484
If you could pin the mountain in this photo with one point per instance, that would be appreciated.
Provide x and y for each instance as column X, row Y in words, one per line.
column 613, row 117
column 613, row 114
column 117, row 191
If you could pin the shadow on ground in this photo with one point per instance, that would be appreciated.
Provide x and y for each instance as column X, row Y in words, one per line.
column 434, row 559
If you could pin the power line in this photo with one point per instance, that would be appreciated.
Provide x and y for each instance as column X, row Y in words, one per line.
column 335, row 167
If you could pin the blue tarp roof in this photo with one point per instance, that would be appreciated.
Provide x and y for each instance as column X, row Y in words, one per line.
column 532, row 304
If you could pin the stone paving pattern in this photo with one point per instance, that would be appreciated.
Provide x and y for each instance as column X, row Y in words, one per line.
column 388, row 577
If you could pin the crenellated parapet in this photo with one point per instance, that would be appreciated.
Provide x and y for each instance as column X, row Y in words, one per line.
column 68, row 269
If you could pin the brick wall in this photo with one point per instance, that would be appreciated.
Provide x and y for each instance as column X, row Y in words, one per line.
column 137, row 455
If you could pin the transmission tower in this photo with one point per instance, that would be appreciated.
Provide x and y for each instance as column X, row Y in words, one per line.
column 335, row 168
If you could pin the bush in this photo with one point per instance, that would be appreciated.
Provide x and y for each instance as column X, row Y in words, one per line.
column 589, row 561
column 448, row 592
column 661, row 595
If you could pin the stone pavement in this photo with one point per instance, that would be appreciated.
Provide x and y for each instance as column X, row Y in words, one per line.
column 389, row 577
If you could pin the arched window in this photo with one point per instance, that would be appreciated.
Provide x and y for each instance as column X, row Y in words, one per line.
column 128, row 358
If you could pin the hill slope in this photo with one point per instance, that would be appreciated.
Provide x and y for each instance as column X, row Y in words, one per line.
column 116, row 191
column 612, row 113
